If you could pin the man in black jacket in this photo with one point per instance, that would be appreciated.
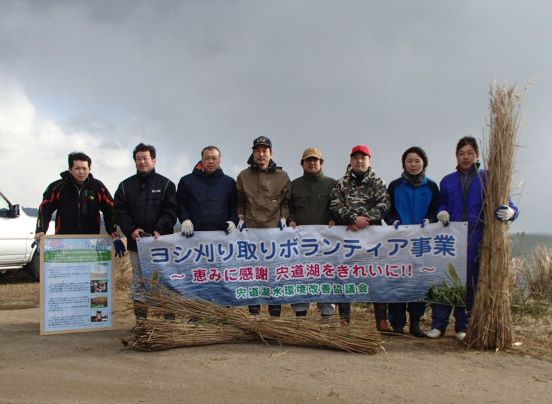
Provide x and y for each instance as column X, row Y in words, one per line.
column 78, row 199
column 145, row 204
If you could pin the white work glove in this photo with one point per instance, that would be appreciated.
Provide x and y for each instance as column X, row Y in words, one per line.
column 425, row 222
column 282, row 225
column 504, row 213
column 444, row 217
column 396, row 224
column 230, row 227
column 187, row 228
column 241, row 225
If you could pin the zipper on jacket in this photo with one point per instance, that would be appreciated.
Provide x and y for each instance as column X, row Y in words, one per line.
column 78, row 207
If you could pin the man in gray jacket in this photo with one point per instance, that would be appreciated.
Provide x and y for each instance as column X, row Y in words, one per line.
column 310, row 204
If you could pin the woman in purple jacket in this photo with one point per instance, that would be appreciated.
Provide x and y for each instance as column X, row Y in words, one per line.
column 462, row 197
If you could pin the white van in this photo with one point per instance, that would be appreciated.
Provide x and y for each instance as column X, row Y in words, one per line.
column 17, row 248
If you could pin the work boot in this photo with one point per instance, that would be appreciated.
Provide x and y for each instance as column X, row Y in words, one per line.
column 325, row 318
column 254, row 310
column 344, row 313
column 380, row 312
column 169, row 316
column 141, row 313
column 398, row 330
column 414, row 329
column 274, row 310
column 382, row 326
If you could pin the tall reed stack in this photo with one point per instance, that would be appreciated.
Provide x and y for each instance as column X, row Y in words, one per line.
column 491, row 320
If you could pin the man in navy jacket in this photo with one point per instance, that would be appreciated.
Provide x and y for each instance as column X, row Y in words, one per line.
column 206, row 198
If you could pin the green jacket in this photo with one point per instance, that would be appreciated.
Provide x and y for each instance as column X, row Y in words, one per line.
column 352, row 198
column 310, row 199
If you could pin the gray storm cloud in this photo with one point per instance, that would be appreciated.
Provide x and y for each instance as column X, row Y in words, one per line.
column 182, row 75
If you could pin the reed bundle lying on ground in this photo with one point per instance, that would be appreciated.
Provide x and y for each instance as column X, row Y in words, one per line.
column 212, row 320
column 157, row 335
column 490, row 325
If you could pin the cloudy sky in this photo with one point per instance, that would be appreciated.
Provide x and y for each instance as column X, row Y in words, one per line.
column 102, row 76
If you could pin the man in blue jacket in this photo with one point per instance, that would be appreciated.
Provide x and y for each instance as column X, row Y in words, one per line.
column 206, row 198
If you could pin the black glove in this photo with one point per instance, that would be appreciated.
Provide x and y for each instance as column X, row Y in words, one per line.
column 119, row 248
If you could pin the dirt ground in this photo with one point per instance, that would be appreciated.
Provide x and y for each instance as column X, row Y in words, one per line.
column 95, row 367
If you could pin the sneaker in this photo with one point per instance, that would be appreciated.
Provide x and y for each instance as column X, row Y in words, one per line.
column 460, row 336
column 434, row 333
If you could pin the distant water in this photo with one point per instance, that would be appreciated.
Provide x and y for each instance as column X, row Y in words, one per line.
column 523, row 244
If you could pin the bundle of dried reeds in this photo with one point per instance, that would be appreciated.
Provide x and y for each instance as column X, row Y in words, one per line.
column 157, row 335
column 122, row 272
column 215, row 319
column 490, row 325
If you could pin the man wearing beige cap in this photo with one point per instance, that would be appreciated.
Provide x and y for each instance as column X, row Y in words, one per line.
column 360, row 200
column 264, row 191
column 310, row 204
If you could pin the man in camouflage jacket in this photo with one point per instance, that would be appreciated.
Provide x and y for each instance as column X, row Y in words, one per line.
column 359, row 200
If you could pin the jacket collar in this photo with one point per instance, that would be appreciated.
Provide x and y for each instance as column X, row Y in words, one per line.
column 199, row 170
column 271, row 165
column 66, row 176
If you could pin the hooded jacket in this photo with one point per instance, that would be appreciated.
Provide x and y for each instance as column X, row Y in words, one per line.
column 147, row 202
column 78, row 207
column 355, row 196
column 209, row 201
column 263, row 195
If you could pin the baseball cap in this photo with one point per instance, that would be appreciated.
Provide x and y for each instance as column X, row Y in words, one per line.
column 312, row 152
column 361, row 148
column 262, row 141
